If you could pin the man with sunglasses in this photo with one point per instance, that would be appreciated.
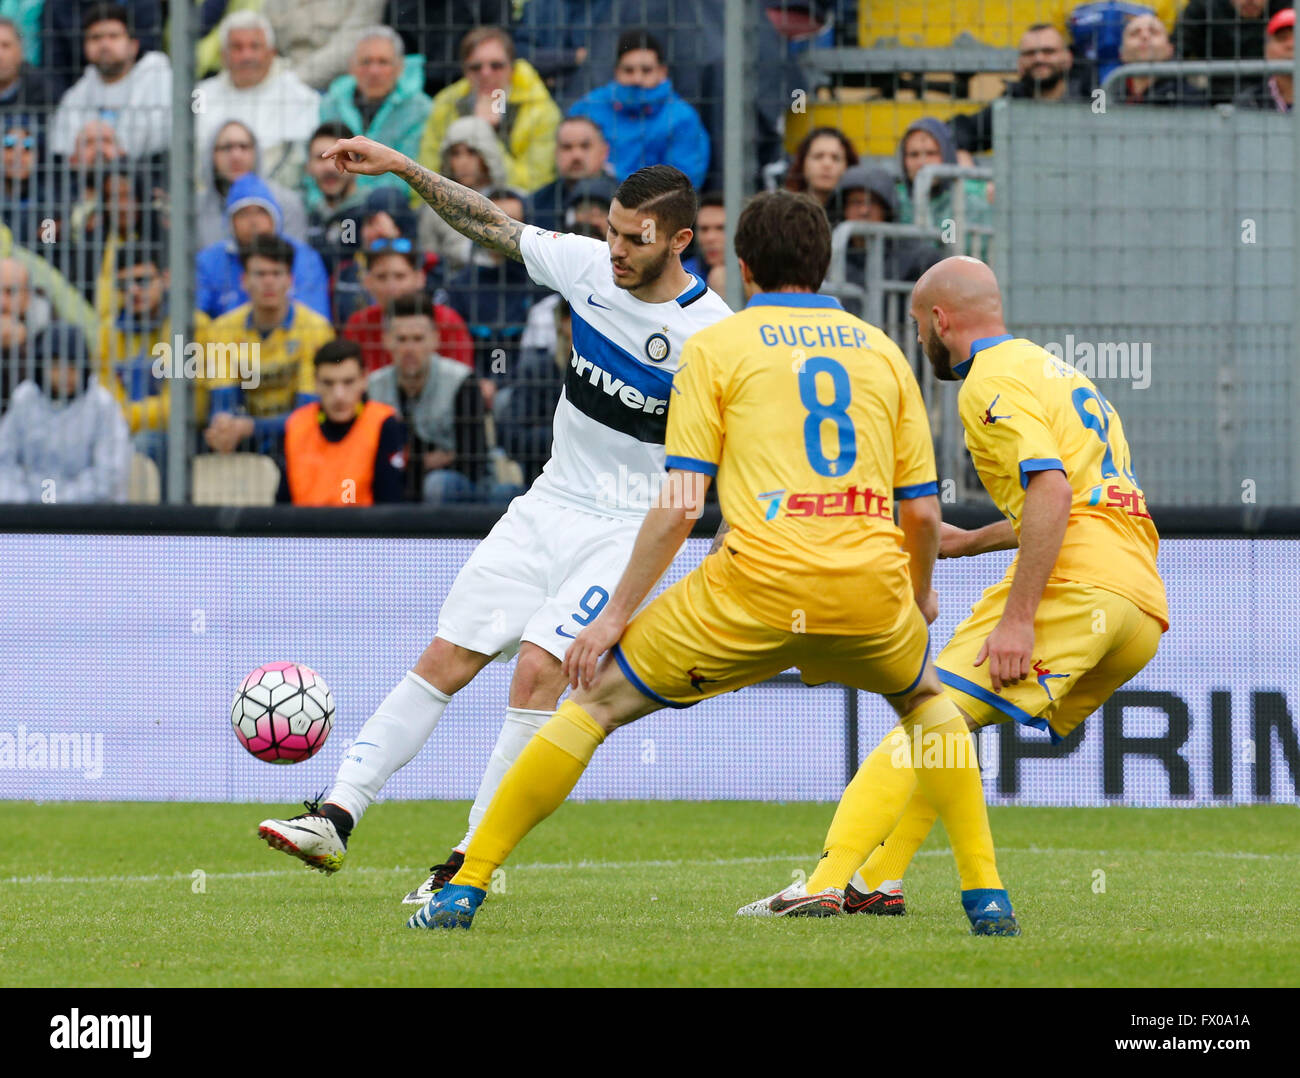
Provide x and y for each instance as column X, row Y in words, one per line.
column 552, row 561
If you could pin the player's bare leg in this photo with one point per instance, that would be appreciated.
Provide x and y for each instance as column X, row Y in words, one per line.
column 388, row 740
column 535, row 786
column 535, row 688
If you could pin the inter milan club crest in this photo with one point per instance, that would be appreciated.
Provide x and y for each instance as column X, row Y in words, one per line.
column 657, row 347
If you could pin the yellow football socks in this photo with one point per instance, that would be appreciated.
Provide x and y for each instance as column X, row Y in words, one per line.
column 867, row 812
column 955, row 789
column 889, row 860
column 535, row 786
column 930, row 751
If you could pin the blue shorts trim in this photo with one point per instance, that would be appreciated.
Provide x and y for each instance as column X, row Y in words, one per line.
column 916, row 680
column 640, row 685
column 994, row 700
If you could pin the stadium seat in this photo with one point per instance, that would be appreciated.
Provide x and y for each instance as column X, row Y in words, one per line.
column 144, row 487
column 233, row 479
column 939, row 23
column 874, row 127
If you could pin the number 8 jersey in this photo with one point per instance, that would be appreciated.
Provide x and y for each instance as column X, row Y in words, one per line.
column 1024, row 411
column 813, row 423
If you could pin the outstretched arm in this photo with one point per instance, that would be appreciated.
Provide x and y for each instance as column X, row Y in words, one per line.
column 468, row 212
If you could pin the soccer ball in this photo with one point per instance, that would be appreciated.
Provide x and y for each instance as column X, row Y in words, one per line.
column 282, row 713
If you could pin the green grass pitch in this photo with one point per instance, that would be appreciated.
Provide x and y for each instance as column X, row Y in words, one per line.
column 639, row 893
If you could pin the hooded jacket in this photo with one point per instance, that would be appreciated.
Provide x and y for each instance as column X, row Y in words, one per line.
column 904, row 259
column 436, row 234
column 398, row 123
column 526, row 134
column 648, row 127
column 73, row 449
column 210, row 204
column 216, row 279
column 979, row 210
column 139, row 106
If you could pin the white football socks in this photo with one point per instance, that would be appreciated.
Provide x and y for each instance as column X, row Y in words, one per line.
column 389, row 740
column 519, row 727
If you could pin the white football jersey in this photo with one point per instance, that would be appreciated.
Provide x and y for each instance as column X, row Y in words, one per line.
column 608, row 450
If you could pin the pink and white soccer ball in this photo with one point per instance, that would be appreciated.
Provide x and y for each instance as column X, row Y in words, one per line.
column 282, row 713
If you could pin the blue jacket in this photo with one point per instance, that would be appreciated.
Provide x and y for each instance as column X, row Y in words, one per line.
column 648, row 127
column 216, row 276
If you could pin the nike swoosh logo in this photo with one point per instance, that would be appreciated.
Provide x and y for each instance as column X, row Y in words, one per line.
column 591, row 298
column 560, row 629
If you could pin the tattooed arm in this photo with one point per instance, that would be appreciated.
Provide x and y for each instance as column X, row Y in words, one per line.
column 723, row 528
column 468, row 212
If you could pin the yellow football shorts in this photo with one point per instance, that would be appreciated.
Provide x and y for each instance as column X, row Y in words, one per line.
column 696, row 641
column 1087, row 643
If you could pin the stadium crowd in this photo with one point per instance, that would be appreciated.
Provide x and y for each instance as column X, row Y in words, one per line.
column 384, row 339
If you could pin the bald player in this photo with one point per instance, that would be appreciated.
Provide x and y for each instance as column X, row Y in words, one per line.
column 1082, row 607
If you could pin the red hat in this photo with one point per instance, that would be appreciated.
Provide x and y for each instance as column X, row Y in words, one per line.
column 1281, row 21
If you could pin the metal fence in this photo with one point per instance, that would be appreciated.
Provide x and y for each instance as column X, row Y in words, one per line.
column 1163, row 239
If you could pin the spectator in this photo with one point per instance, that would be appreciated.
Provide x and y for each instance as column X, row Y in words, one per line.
column 588, row 206
column 23, row 314
column 819, row 161
column 283, row 333
column 493, row 294
column 234, row 152
column 509, row 97
column 1277, row 92
column 525, row 409
column 581, row 153
column 1146, row 40
column 1226, row 30
column 432, row 31
column 644, row 121
column 63, row 438
column 1043, row 66
column 929, row 142
column 441, row 404
column 342, row 449
column 251, row 210
column 380, row 98
column 392, row 270
column 43, row 279
column 24, row 203
column 710, row 236
column 871, row 194
column 21, row 87
column 139, row 322
column 471, row 155
column 124, row 216
column 317, row 37
column 63, row 33
column 255, row 86
column 333, row 199
column 133, row 93
column 385, row 215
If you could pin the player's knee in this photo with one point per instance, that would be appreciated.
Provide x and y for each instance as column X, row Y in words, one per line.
column 538, row 680
column 449, row 667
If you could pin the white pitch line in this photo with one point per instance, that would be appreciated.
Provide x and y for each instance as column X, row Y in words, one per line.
column 708, row 862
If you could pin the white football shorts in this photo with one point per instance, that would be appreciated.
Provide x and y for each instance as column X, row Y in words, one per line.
column 541, row 574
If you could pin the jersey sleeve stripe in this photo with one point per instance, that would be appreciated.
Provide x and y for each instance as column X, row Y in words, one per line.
column 691, row 464
column 640, row 685
column 1038, row 464
column 916, row 490
column 1005, row 706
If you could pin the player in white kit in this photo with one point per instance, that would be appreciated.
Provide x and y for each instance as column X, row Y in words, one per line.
column 549, row 565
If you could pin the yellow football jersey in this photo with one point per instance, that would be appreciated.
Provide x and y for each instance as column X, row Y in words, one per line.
column 1024, row 410
column 813, row 424
column 284, row 357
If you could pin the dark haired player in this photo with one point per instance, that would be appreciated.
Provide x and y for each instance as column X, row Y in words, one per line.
column 550, row 564
column 814, row 426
